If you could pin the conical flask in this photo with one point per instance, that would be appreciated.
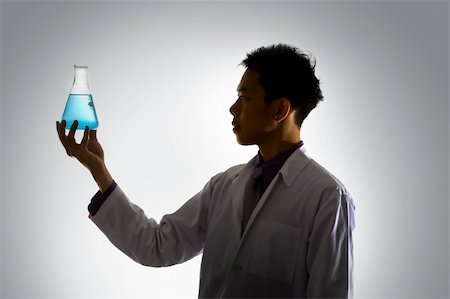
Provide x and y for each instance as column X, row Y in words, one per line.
column 80, row 105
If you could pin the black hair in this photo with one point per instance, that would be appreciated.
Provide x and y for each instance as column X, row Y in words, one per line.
column 286, row 72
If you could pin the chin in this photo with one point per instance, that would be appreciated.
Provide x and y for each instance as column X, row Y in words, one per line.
column 244, row 142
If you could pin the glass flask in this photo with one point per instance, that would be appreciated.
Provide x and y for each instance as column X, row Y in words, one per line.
column 80, row 105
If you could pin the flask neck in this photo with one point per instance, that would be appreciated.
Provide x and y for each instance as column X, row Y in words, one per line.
column 80, row 81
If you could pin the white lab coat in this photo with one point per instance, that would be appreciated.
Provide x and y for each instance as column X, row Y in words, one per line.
column 298, row 241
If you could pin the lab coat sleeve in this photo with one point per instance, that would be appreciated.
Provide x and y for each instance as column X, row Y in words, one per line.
column 177, row 238
column 330, row 250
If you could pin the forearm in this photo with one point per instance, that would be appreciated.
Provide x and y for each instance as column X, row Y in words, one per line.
column 102, row 177
column 176, row 239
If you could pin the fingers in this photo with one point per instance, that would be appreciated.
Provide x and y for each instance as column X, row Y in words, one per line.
column 71, row 135
column 93, row 134
column 60, row 127
column 85, row 140
column 67, row 141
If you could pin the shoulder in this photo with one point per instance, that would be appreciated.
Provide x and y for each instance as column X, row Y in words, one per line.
column 306, row 176
column 222, row 180
column 302, row 172
column 331, row 192
column 324, row 179
column 229, row 174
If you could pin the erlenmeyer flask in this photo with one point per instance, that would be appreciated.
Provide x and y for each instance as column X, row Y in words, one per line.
column 80, row 105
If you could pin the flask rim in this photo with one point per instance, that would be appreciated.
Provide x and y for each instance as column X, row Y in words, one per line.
column 79, row 66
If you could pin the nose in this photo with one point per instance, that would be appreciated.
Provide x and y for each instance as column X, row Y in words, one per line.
column 233, row 108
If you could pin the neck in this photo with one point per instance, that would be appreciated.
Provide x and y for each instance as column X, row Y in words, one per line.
column 276, row 146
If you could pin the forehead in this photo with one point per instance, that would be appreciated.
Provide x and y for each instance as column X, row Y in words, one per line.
column 249, row 82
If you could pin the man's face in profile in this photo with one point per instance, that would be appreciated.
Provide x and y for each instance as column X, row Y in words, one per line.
column 252, row 115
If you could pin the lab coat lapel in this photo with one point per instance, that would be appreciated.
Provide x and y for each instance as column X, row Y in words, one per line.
column 260, row 203
column 237, row 194
column 290, row 170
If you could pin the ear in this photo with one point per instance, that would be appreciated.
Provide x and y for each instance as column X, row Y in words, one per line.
column 282, row 109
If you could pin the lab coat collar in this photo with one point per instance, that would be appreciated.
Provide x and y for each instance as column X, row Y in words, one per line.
column 294, row 165
column 291, row 167
column 289, row 171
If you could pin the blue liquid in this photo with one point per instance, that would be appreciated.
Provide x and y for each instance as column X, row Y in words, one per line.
column 80, row 107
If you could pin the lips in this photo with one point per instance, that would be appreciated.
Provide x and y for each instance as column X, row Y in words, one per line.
column 236, row 127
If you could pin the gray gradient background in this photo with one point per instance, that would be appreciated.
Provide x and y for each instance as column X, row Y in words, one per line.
column 163, row 76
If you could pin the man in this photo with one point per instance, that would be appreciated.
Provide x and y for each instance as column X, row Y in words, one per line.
column 279, row 226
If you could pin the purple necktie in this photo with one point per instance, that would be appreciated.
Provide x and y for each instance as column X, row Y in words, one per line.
column 251, row 195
